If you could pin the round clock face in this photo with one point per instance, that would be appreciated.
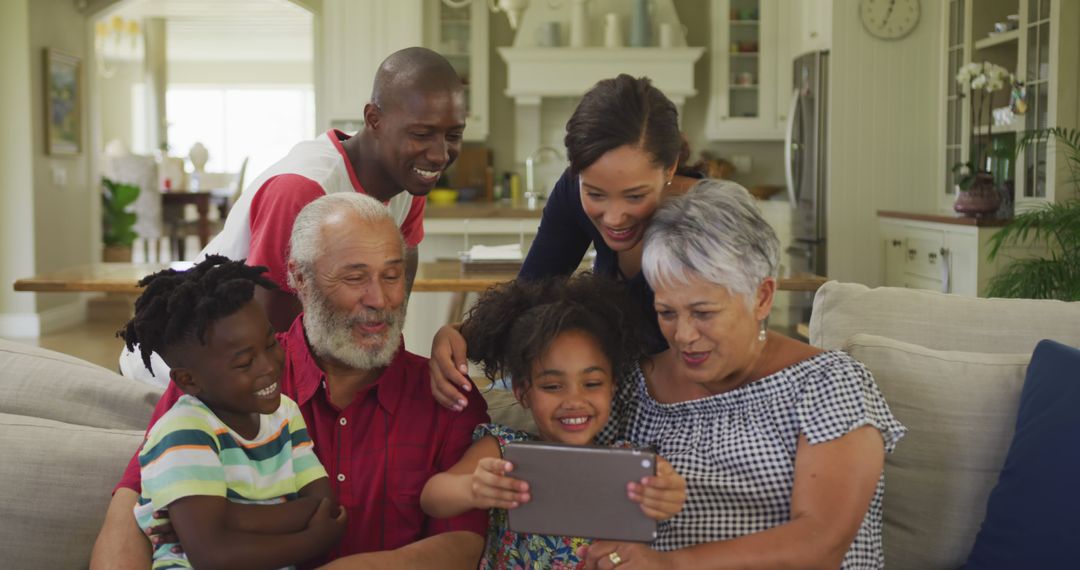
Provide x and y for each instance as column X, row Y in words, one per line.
column 889, row 19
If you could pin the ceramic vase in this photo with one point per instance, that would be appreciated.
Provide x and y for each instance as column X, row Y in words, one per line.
column 613, row 35
column 198, row 155
column 640, row 26
column 579, row 24
column 980, row 200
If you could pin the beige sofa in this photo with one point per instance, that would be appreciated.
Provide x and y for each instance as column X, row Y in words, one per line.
column 67, row 430
column 951, row 368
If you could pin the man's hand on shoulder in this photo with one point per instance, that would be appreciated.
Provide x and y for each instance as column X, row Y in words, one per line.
column 121, row 545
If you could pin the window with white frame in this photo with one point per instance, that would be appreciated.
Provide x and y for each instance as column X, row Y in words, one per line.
column 234, row 122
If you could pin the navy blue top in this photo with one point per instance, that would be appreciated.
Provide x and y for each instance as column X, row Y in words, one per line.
column 561, row 242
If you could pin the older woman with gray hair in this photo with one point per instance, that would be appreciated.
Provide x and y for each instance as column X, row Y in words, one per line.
column 782, row 445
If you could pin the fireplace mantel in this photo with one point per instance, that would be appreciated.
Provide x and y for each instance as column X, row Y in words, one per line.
column 534, row 73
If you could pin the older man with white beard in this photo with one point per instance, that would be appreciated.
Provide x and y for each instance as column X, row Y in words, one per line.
column 367, row 402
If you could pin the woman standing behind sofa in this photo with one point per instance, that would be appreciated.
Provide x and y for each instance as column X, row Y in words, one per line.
column 624, row 146
column 782, row 445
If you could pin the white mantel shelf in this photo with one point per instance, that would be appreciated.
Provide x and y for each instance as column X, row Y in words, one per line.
column 535, row 73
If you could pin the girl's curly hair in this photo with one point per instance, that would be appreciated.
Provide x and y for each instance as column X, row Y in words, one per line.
column 513, row 324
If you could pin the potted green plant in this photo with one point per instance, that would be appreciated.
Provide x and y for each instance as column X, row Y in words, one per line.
column 1055, row 226
column 117, row 220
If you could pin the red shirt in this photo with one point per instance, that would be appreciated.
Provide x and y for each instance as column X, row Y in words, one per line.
column 301, row 178
column 379, row 450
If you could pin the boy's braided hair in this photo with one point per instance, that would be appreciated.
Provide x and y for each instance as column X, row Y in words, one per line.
column 178, row 306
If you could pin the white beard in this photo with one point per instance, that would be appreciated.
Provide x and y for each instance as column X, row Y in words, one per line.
column 332, row 334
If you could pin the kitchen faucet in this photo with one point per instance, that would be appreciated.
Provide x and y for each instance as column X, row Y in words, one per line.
column 530, row 179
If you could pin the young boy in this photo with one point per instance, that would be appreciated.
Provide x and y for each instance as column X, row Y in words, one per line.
column 232, row 461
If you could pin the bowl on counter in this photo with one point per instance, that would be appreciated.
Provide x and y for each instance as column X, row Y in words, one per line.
column 442, row 196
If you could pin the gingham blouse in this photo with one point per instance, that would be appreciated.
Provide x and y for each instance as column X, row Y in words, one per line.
column 737, row 449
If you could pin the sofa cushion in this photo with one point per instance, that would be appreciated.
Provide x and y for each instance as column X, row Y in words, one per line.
column 45, row 384
column 1031, row 517
column 57, row 479
column 504, row 409
column 940, row 321
column 959, row 408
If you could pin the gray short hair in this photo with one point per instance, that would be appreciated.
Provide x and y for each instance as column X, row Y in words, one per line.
column 714, row 232
column 305, row 243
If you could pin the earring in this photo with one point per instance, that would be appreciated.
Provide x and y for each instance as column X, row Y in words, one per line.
column 762, row 334
column 668, row 183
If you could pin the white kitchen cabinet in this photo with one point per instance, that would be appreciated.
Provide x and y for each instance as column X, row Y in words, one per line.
column 461, row 35
column 750, row 68
column 811, row 25
column 949, row 257
column 353, row 38
column 892, row 238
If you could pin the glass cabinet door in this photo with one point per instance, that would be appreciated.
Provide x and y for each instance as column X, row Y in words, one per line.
column 744, row 61
column 954, row 100
column 1037, row 79
column 461, row 35
column 747, row 74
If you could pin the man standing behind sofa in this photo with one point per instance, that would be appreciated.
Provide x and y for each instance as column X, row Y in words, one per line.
column 412, row 133
column 367, row 402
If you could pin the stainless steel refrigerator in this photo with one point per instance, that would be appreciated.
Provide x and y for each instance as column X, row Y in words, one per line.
column 807, row 173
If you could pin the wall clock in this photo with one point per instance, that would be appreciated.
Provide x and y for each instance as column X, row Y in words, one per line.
column 889, row 19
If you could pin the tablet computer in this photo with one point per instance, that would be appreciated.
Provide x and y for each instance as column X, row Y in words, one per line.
column 580, row 490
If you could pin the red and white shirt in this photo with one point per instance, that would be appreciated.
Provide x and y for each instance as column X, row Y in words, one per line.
column 260, row 223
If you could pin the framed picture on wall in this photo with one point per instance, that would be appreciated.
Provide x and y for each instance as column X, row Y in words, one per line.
column 63, row 96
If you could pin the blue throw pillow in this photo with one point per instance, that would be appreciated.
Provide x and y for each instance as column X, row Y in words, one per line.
column 1033, row 514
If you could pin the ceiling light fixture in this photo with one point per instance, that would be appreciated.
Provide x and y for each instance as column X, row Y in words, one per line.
column 111, row 35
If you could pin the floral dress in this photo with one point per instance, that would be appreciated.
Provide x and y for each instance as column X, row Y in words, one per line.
column 506, row 549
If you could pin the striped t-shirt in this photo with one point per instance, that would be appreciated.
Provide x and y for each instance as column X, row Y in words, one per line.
column 189, row 452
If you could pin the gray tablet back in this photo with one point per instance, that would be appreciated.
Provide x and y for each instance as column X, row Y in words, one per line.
column 580, row 490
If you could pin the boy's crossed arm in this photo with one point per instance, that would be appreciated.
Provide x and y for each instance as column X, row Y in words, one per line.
column 292, row 516
column 256, row 536
column 282, row 518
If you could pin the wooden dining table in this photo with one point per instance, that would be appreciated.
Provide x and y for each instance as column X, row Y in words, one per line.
column 447, row 276
column 431, row 277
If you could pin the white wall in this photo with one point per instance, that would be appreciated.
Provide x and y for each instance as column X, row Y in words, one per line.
column 16, row 179
column 883, row 133
column 241, row 72
column 115, row 102
column 48, row 206
column 66, row 223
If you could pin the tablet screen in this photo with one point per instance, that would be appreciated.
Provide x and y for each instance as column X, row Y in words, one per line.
column 580, row 490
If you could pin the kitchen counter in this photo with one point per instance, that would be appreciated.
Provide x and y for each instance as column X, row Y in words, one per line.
column 944, row 219
column 481, row 210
